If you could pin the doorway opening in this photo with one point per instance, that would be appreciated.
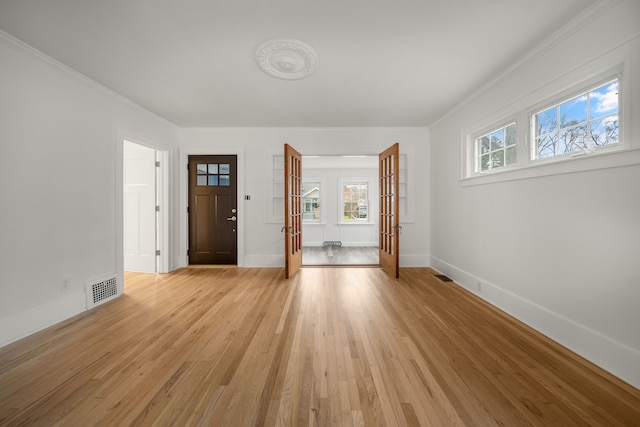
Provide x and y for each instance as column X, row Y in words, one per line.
column 340, row 210
column 142, row 199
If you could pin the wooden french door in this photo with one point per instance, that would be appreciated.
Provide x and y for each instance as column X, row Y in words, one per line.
column 292, row 211
column 389, row 210
column 212, row 210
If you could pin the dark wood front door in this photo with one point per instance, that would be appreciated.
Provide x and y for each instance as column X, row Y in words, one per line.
column 213, row 210
column 389, row 210
column 292, row 211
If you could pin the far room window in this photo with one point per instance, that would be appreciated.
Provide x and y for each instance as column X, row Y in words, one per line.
column 355, row 202
column 579, row 125
column 496, row 149
column 311, row 201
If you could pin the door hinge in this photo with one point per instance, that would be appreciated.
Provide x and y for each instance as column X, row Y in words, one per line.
column 158, row 252
column 157, row 164
column 157, row 208
column 187, row 209
column 187, row 252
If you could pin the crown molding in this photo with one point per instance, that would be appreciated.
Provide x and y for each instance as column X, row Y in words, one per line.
column 41, row 57
column 419, row 129
column 577, row 23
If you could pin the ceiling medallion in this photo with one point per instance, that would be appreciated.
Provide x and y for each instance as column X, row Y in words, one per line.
column 287, row 59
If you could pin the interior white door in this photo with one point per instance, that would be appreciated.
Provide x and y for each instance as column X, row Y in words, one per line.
column 139, row 208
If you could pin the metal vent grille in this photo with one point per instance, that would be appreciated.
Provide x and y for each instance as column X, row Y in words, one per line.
column 101, row 291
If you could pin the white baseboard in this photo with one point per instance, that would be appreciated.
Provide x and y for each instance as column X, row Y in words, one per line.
column 414, row 260
column 612, row 356
column 278, row 261
column 177, row 263
column 264, row 261
column 24, row 324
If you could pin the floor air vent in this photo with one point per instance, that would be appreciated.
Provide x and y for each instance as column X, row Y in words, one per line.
column 334, row 243
column 101, row 291
column 443, row 278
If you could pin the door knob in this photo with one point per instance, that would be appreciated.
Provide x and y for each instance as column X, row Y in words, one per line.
column 233, row 218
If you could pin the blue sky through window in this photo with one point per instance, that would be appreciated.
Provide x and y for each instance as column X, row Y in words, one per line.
column 587, row 120
column 604, row 101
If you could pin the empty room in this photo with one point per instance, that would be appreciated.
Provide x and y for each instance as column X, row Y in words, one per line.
column 333, row 213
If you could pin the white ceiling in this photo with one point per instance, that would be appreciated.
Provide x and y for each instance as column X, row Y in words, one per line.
column 381, row 63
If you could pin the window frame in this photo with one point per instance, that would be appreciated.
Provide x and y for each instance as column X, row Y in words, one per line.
column 353, row 180
column 625, row 152
column 567, row 96
column 477, row 155
column 321, row 202
column 471, row 159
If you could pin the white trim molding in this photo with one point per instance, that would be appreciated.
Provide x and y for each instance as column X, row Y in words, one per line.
column 38, row 318
column 612, row 356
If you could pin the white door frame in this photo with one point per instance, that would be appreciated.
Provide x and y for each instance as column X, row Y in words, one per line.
column 142, row 214
column 162, row 186
column 183, row 259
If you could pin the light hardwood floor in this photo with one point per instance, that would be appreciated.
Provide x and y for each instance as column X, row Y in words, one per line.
column 332, row 346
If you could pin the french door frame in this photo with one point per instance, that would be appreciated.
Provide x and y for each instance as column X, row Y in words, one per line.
column 389, row 234
column 121, row 134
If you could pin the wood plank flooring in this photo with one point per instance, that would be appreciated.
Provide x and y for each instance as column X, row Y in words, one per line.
column 332, row 346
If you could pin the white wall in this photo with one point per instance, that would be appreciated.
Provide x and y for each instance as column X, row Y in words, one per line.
column 332, row 172
column 560, row 250
column 61, row 186
column 263, row 243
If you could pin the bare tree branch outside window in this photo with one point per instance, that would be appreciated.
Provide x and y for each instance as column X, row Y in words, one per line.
column 580, row 124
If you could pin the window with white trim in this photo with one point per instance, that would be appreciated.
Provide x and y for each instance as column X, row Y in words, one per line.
column 311, row 198
column 496, row 149
column 549, row 137
column 355, row 202
column 581, row 124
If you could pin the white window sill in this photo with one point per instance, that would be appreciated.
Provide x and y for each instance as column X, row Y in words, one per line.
column 595, row 161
